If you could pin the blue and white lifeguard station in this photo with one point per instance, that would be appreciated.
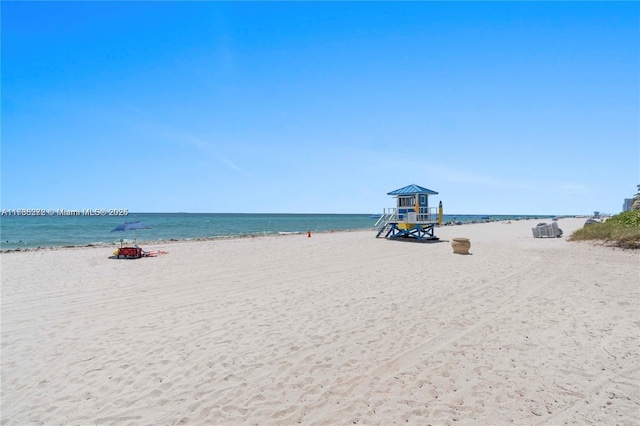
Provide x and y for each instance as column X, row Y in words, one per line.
column 412, row 217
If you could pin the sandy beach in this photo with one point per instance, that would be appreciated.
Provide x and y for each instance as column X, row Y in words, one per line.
column 339, row 328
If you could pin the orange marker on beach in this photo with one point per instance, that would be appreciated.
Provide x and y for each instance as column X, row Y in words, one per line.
column 309, row 234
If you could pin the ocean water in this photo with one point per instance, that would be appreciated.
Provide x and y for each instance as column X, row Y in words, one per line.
column 54, row 231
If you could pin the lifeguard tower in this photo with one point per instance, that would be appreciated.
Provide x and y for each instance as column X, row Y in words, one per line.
column 412, row 217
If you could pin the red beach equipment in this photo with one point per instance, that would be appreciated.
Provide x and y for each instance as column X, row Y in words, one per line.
column 130, row 252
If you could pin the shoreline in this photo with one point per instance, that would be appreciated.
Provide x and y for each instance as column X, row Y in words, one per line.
column 242, row 236
column 174, row 240
column 34, row 232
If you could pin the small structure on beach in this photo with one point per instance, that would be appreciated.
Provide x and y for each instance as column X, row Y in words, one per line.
column 412, row 217
column 547, row 230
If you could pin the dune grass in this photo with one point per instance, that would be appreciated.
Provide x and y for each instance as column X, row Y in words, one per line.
column 622, row 230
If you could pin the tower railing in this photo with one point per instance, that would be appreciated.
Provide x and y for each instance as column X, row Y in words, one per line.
column 427, row 214
column 388, row 215
column 424, row 215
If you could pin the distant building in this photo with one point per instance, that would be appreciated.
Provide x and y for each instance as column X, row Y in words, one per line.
column 627, row 204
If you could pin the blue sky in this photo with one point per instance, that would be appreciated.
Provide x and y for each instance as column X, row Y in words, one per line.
column 501, row 107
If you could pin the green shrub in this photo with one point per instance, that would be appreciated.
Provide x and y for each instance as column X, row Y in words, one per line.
column 630, row 218
column 622, row 230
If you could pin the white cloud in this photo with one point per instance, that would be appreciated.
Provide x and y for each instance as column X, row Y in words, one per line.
column 472, row 178
column 205, row 148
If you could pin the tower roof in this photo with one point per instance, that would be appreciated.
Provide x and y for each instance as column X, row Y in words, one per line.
column 412, row 189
